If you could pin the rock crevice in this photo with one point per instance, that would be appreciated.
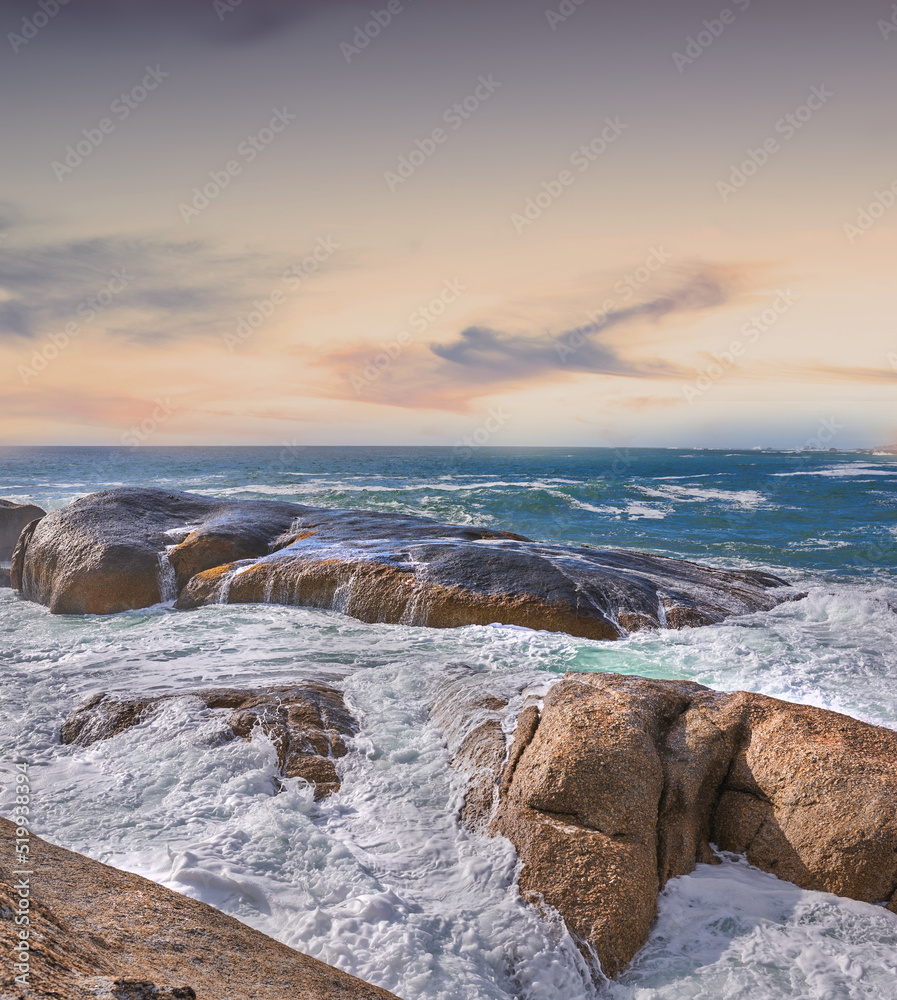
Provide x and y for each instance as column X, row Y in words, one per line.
column 619, row 783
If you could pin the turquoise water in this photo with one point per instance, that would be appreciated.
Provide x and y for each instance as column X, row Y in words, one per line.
column 380, row 879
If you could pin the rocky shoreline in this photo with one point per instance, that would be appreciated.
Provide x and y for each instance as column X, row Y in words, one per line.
column 132, row 548
column 96, row 931
column 607, row 785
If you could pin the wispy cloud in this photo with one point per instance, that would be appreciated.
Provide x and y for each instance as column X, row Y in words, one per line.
column 497, row 357
column 172, row 290
column 827, row 373
column 482, row 359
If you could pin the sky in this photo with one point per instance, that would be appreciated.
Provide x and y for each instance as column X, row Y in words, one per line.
column 514, row 222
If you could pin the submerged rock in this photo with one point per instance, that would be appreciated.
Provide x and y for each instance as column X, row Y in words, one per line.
column 616, row 784
column 95, row 931
column 13, row 518
column 306, row 723
column 131, row 548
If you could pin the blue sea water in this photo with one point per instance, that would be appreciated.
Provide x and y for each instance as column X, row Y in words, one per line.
column 380, row 879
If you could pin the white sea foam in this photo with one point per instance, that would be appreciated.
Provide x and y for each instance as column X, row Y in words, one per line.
column 836, row 649
column 635, row 510
column 692, row 494
column 734, row 932
column 604, row 509
column 819, row 544
column 847, row 470
column 344, row 485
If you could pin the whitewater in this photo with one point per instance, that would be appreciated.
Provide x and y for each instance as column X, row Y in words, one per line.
column 380, row 879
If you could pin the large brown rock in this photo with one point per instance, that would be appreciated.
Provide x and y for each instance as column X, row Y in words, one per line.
column 615, row 784
column 95, row 931
column 101, row 554
column 129, row 548
column 306, row 723
column 13, row 518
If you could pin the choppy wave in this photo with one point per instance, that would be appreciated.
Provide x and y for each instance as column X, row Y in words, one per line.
column 847, row 470
column 381, row 879
column 697, row 494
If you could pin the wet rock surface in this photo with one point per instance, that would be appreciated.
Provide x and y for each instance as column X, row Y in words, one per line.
column 13, row 518
column 307, row 724
column 101, row 554
column 99, row 932
column 615, row 784
column 128, row 548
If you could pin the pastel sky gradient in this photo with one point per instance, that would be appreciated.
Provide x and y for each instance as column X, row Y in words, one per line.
column 648, row 298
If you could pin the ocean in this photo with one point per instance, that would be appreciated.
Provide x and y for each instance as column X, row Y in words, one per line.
column 380, row 879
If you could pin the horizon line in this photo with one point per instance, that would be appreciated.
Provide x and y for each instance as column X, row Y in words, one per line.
column 880, row 449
